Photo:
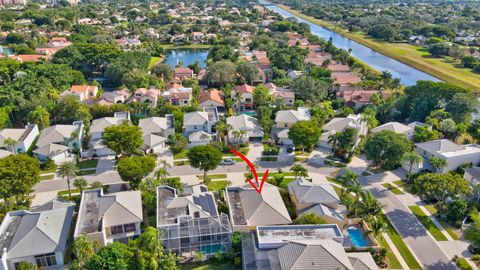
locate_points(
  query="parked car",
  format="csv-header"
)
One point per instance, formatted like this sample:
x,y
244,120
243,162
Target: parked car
x,y
473,249
228,161
290,148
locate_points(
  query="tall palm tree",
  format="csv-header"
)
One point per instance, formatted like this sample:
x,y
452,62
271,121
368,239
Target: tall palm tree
x,y
80,184
348,178
411,158
238,134
82,250
377,226
162,173
370,207
299,170
222,129
333,140
67,170
12,144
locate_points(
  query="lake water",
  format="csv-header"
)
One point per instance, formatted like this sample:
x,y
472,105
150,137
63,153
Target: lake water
x,y
186,56
407,74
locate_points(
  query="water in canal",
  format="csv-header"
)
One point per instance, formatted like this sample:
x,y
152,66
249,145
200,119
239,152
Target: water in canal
x,y
186,56
408,75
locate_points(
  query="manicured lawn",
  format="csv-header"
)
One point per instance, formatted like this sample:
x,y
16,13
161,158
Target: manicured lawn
x,y
86,172
180,163
47,177
393,189
404,185
269,150
48,171
181,155
428,223
242,150
333,180
268,158
338,190
393,262
153,61
450,231
87,164
207,266
217,185
432,209
401,246
214,176
414,56
334,164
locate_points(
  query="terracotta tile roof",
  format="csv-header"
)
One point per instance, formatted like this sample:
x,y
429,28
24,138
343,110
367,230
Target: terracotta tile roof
x,y
343,78
181,95
29,58
359,96
338,68
284,94
245,88
215,95
83,88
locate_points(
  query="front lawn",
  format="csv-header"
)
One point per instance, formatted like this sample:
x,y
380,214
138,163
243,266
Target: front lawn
x,y
428,223
214,176
180,163
450,231
47,177
181,155
86,172
393,262
87,164
217,185
393,189
270,150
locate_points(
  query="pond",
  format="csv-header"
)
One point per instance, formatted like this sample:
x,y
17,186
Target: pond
x,y
5,51
186,57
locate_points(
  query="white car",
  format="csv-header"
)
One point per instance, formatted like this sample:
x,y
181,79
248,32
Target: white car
x,y
228,161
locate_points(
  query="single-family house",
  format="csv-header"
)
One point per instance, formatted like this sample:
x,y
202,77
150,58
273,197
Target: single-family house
x,y
190,224
105,218
211,99
345,78
199,138
284,121
284,94
39,238
244,101
453,154
97,128
472,175
58,42
66,135
293,74
148,96
56,152
114,97
182,73
396,127
82,92
250,208
356,97
319,199
156,131
339,124
196,121
181,96
246,123
22,138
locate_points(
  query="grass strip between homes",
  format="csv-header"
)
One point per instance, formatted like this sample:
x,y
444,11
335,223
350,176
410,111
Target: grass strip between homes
x,y
428,223
393,189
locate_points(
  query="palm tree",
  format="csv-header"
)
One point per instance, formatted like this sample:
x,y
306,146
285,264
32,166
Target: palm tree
x,y
238,134
411,158
162,173
333,140
67,170
438,163
348,178
377,226
80,184
223,128
82,250
299,170
12,143
370,207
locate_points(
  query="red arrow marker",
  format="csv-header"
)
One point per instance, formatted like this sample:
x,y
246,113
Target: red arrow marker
x,y
256,186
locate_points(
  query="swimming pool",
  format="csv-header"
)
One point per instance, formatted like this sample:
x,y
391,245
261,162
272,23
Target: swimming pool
x,y
356,235
212,249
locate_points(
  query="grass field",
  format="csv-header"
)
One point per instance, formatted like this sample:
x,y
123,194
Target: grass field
x,y
428,223
449,230
86,172
181,155
214,176
442,68
432,209
393,189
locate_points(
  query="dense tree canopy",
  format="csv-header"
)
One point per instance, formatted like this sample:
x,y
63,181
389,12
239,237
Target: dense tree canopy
x,y
387,148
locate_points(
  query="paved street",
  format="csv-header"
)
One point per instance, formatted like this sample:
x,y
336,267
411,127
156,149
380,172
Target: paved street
x,y
423,246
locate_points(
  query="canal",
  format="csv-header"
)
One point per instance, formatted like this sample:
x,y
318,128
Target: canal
x,y
407,74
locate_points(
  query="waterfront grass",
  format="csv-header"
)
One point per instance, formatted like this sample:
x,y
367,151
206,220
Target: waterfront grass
x,y
414,56
154,61
190,46
428,223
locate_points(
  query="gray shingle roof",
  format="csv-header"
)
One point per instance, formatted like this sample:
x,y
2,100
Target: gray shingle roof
x,y
306,192
50,150
439,146
195,118
55,134
474,172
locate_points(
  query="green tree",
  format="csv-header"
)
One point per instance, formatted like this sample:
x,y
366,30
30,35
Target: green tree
x,y
472,233
177,143
67,169
441,188
248,71
299,170
261,96
264,116
309,218
437,163
81,184
114,256
304,134
221,73
456,210
40,116
343,142
26,266
205,158
163,71
348,178
4,118
310,89
387,148
424,134
123,138
82,250
411,158
18,175
134,169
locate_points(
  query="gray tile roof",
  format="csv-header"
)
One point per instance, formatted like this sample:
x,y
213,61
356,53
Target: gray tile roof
x,y
50,150
195,118
55,134
36,233
306,192
153,125
439,146
474,172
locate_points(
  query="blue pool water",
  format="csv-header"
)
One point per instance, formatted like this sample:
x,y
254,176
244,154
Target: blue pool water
x,y
357,238
212,249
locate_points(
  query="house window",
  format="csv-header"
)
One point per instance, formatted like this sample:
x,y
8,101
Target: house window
x,y
195,127
286,125
185,101
116,229
129,227
46,260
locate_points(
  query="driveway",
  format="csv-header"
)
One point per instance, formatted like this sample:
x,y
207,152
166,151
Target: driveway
x,y
166,154
105,165
255,151
283,155
424,247
317,156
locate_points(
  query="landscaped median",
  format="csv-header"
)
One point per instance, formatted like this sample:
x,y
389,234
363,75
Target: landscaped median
x,y
428,223
393,189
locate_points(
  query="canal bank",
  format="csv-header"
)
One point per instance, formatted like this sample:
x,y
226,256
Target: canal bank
x,y
407,54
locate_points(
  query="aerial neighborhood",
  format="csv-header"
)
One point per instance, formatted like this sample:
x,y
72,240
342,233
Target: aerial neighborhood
x,y
224,135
